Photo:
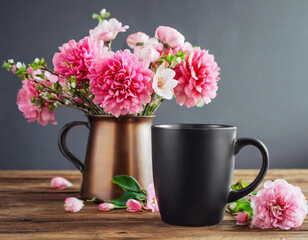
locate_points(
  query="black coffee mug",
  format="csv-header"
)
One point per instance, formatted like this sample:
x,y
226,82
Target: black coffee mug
x,y
193,170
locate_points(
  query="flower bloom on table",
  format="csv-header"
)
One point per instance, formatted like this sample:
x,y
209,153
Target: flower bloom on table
x,y
74,59
197,76
151,199
105,207
163,82
169,36
29,110
107,30
120,83
278,205
73,204
242,218
133,205
60,183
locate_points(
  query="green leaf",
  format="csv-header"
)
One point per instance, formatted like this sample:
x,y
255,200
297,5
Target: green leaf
x,y
124,198
40,76
95,16
127,183
239,185
7,66
200,103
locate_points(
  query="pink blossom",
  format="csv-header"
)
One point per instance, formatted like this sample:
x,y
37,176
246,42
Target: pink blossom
x,y
242,218
137,39
73,204
133,205
169,36
29,110
74,59
107,30
60,183
106,207
120,83
151,199
278,205
149,52
197,76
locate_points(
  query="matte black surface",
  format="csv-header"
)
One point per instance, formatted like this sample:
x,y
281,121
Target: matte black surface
x,y
260,45
193,170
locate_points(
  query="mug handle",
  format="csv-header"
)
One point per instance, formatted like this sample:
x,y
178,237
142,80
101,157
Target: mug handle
x,y
63,147
238,145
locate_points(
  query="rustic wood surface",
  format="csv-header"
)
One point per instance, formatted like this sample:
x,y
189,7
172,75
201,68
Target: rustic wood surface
x,y
31,209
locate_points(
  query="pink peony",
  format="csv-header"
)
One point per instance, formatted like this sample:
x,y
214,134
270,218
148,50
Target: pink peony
x,y
107,30
120,83
74,59
197,76
169,36
30,111
279,204
137,39
105,207
133,205
242,218
60,183
73,204
151,199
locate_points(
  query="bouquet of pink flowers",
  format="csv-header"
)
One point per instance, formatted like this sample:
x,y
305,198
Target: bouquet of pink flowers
x,y
89,76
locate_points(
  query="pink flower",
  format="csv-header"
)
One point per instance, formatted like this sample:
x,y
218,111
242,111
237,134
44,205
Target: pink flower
x,y
73,204
106,207
278,205
29,110
197,76
133,205
151,199
149,52
74,59
169,36
120,83
137,39
242,218
60,183
107,30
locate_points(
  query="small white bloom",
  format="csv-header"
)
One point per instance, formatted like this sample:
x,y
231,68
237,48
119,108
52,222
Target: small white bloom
x,y
11,61
163,82
232,206
102,12
36,60
18,65
73,84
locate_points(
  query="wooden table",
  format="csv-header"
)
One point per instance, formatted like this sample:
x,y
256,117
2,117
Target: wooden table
x,y
30,209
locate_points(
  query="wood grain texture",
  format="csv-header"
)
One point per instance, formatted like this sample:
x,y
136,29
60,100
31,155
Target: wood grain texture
x,y
30,209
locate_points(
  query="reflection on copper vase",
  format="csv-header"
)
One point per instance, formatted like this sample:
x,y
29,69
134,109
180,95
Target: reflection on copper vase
x,y
115,146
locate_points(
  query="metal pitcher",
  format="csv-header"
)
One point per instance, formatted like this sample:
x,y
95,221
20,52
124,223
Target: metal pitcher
x,y
115,146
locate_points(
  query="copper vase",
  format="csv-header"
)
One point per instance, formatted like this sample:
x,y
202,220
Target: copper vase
x,y
115,146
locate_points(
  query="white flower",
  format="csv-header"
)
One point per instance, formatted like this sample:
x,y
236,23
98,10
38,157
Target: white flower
x,y
163,82
73,85
36,60
18,65
11,61
102,12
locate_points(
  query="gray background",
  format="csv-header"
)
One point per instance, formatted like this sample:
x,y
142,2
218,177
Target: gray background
x,y
261,47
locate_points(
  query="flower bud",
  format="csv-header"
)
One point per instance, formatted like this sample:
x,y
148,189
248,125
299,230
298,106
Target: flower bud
x,y
105,207
18,65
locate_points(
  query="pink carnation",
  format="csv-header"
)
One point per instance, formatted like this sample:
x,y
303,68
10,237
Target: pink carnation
x,y
197,76
74,59
30,111
73,204
137,39
278,205
120,83
151,199
60,183
107,30
133,205
169,36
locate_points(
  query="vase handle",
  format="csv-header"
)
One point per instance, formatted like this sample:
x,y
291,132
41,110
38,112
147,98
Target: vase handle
x,y
63,147
238,145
